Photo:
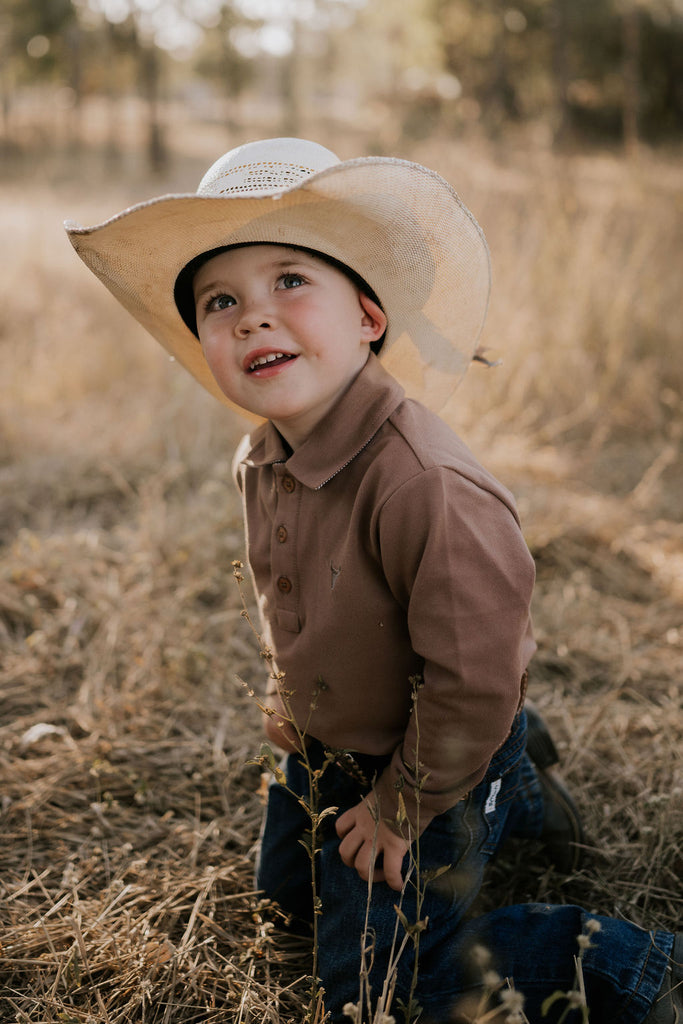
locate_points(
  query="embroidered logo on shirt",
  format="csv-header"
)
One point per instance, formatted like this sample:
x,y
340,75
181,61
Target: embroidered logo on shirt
x,y
494,789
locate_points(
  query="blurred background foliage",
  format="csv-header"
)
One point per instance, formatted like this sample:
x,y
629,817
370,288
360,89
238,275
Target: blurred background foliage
x,y
571,72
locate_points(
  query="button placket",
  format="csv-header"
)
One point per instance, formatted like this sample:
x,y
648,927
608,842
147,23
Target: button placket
x,y
283,542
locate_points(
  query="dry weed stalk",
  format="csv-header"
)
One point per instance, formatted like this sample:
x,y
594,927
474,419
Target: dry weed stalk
x,y
268,761
379,1010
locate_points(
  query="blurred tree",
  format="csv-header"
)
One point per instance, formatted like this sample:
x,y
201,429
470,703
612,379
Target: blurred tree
x,y
601,68
308,68
652,68
557,24
36,42
218,59
200,34
130,32
500,52
393,60
292,83
615,68
662,57
150,65
630,15
34,31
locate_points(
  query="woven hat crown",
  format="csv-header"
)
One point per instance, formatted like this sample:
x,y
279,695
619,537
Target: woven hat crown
x,y
263,168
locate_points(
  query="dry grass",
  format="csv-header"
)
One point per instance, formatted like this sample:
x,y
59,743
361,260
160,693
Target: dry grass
x,y
129,815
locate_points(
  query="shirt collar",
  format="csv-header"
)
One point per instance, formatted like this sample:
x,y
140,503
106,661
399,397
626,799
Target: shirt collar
x,y
340,436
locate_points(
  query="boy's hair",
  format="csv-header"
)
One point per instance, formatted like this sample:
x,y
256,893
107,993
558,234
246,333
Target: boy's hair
x,y
184,294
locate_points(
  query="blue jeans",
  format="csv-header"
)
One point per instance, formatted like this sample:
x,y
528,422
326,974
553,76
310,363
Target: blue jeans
x,y
533,944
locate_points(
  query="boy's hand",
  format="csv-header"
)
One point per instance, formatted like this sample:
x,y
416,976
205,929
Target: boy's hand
x,y
358,830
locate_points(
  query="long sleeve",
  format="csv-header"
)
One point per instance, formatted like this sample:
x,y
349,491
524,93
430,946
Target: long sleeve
x,y
455,559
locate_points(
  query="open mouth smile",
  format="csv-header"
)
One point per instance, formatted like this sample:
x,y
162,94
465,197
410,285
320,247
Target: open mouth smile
x,y
272,359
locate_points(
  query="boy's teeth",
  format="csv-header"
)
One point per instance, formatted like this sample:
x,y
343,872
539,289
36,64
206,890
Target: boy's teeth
x,y
262,360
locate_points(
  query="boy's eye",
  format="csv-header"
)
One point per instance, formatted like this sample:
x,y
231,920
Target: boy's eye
x,y
217,302
291,280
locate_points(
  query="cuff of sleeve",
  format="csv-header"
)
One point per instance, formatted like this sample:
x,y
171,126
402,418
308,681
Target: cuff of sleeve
x,y
401,805
408,809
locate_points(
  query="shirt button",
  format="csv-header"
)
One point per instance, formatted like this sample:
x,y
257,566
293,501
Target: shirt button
x,y
288,484
284,584
282,534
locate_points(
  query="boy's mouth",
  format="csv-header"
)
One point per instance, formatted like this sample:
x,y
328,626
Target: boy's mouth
x,y
271,359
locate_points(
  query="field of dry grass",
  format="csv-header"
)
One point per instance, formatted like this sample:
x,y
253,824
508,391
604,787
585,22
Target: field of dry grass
x,y
129,814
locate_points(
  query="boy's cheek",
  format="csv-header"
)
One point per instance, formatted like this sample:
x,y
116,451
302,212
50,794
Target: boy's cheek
x,y
216,356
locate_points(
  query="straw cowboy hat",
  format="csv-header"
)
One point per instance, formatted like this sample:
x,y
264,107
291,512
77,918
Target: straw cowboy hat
x,y
397,225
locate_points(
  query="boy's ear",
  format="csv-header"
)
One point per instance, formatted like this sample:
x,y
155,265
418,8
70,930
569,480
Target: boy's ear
x,y
373,321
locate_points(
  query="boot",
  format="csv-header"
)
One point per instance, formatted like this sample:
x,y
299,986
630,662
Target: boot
x,y
562,834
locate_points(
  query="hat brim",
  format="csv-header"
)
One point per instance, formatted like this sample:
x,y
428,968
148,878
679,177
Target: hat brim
x,y
398,225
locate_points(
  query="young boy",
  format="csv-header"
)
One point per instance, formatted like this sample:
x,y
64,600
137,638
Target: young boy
x,y
339,303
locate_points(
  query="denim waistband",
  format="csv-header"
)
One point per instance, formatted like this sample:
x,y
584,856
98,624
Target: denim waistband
x,y
364,768
511,750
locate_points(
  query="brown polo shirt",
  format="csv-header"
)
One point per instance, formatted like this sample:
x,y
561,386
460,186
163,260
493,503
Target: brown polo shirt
x,y
381,550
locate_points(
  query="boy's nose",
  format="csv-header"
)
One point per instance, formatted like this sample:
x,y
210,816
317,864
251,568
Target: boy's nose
x,y
252,319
